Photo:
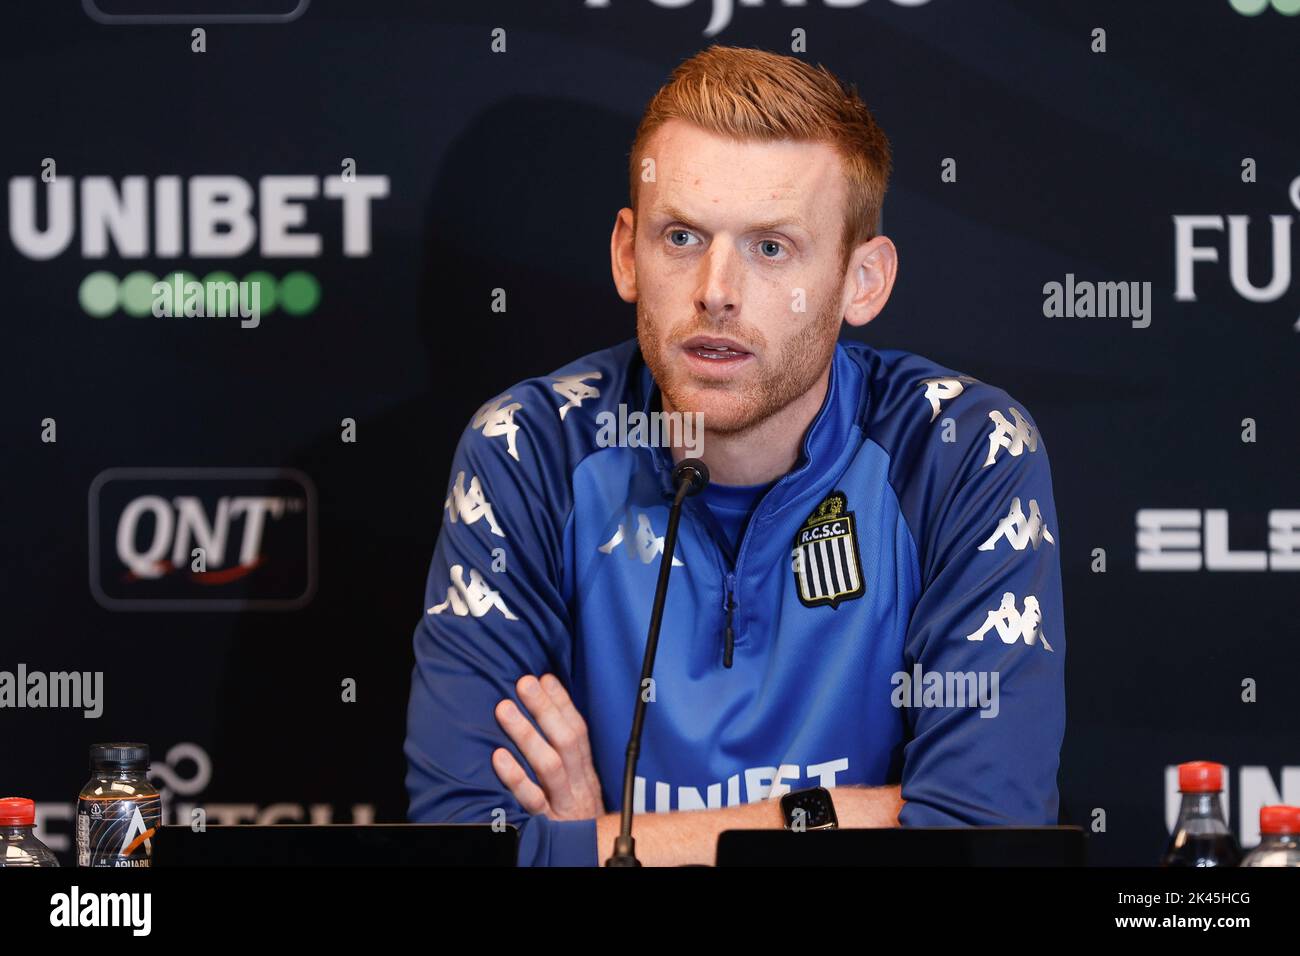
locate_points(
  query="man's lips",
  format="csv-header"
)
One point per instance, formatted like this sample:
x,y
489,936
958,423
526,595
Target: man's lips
x,y
713,356
715,349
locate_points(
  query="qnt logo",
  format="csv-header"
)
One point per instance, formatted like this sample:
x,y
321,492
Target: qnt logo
x,y
202,539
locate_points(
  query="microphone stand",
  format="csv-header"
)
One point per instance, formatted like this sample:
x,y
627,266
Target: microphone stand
x,y
690,476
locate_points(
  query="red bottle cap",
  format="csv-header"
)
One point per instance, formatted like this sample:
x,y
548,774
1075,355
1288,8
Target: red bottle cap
x,y
1200,776
17,812
1279,819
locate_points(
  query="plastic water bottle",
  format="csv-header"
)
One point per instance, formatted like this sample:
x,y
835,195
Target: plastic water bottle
x,y
1279,844
119,810
1201,837
18,845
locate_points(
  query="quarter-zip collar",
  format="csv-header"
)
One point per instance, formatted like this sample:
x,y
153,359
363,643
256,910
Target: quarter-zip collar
x,y
823,444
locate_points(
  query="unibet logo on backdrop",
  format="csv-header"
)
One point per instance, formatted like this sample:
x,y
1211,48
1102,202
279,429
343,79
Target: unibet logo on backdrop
x,y
202,217
202,539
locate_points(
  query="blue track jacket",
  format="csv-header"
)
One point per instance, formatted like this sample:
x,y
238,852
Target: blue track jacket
x,y
893,613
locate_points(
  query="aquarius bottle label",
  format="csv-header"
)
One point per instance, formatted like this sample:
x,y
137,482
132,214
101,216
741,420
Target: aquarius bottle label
x,y
117,830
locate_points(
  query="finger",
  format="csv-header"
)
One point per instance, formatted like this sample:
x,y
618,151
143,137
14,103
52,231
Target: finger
x,y
530,796
572,792
559,731
584,783
569,711
542,758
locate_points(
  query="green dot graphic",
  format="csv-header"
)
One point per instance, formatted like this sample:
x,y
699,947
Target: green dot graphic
x,y
1249,8
98,294
228,299
1287,8
299,293
265,283
136,293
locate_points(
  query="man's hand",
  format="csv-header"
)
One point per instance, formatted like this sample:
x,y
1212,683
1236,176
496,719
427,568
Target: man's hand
x,y
570,789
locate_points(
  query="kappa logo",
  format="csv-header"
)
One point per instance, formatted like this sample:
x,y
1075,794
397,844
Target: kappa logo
x,y
1013,437
496,418
827,565
470,505
576,390
645,544
944,389
1019,530
473,599
1013,625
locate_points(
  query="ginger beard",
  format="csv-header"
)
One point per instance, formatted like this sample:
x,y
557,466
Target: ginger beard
x,y
770,382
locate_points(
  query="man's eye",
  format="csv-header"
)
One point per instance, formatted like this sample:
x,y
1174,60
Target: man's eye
x,y
770,248
672,237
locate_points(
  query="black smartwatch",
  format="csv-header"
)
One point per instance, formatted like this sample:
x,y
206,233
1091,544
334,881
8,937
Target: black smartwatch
x,y
809,809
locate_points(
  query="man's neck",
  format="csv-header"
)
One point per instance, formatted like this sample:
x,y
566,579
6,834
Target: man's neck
x,y
766,451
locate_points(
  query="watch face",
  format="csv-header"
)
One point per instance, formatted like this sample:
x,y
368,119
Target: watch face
x,y
808,809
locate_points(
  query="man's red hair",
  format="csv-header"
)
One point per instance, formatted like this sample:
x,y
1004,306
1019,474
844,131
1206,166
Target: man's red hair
x,y
751,94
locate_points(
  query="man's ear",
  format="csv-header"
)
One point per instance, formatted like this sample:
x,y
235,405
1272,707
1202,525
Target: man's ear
x,y
622,254
873,267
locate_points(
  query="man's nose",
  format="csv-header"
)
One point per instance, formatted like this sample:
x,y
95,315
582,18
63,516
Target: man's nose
x,y
719,292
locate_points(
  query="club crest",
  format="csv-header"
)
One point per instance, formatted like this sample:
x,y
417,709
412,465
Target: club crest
x,y
826,562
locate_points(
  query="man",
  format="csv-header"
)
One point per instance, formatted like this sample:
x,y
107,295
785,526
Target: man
x,y
879,531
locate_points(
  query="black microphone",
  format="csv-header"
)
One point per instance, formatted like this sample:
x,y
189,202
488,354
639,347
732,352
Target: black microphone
x,y
689,478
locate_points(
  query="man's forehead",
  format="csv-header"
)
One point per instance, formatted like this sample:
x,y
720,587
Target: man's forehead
x,y
695,174
704,169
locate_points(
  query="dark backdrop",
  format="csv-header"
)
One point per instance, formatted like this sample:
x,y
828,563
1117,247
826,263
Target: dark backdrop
x,y
505,170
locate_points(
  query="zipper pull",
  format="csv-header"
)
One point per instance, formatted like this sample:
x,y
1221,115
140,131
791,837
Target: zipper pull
x,y
731,634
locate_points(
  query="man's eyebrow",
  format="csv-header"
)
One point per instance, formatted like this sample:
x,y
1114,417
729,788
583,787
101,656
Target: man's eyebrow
x,y
676,215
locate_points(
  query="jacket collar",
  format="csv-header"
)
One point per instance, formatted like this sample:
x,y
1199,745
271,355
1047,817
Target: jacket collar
x,y
824,443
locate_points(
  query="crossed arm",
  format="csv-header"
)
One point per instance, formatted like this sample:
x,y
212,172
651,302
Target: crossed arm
x,y
568,788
